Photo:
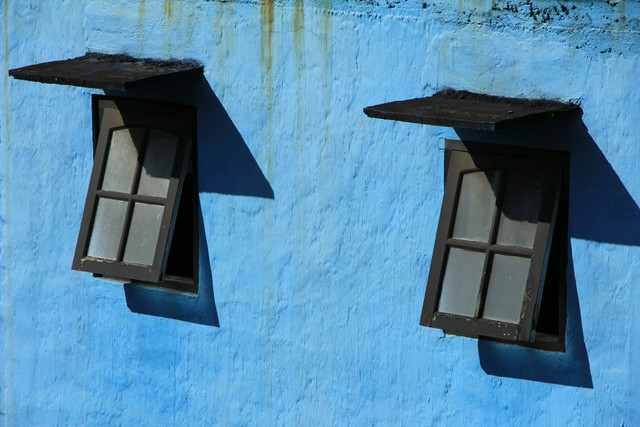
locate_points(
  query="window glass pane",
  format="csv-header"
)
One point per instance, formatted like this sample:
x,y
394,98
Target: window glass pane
x,y
107,229
461,283
520,211
505,292
121,160
476,205
143,233
158,163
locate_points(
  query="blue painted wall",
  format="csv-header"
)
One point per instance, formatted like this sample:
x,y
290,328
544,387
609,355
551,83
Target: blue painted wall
x,y
318,223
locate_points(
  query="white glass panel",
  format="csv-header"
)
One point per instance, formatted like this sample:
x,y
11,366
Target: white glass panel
x,y
461,284
158,163
107,229
121,160
505,292
520,211
476,205
143,233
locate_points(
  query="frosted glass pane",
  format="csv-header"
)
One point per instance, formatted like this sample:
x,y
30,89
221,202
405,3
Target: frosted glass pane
x,y
107,229
121,160
143,233
520,211
505,292
461,284
158,163
476,205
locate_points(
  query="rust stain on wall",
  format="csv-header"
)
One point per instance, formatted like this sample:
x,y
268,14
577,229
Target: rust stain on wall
x,y
141,18
266,65
141,11
266,42
5,76
299,48
298,31
167,8
327,29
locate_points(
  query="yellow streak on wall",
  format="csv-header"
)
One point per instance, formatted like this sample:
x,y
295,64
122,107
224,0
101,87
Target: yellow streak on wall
x,y
299,48
141,18
167,8
266,65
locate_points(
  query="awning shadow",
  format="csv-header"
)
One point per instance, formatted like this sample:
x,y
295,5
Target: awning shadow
x,y
225,163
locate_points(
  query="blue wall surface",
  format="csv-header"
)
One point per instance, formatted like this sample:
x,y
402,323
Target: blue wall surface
x,y
317,223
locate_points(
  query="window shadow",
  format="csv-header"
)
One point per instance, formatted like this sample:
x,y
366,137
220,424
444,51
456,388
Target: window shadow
x,y
600,210
571,368
225,163
225,166
194,308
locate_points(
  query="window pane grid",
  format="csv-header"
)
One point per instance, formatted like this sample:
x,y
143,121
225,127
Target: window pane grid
x,y
134,141
136,178
510,254
490,248
131,197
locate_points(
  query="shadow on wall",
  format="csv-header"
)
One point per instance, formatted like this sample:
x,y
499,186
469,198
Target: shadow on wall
x,y
200,308
601,210
571,368
225,166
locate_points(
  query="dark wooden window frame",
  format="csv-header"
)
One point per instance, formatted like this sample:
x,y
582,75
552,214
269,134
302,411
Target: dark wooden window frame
x,y
551,168
175,119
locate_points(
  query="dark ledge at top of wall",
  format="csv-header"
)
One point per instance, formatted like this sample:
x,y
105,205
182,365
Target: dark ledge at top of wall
x,y
104,71
467,110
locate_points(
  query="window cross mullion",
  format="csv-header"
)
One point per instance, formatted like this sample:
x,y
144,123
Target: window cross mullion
x,y
486,271
467,244
134,185
511,250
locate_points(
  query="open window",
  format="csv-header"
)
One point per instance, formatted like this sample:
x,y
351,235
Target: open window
x,y
140,220
499,261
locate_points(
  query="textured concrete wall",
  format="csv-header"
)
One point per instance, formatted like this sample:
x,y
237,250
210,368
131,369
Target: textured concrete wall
x,y
318,223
